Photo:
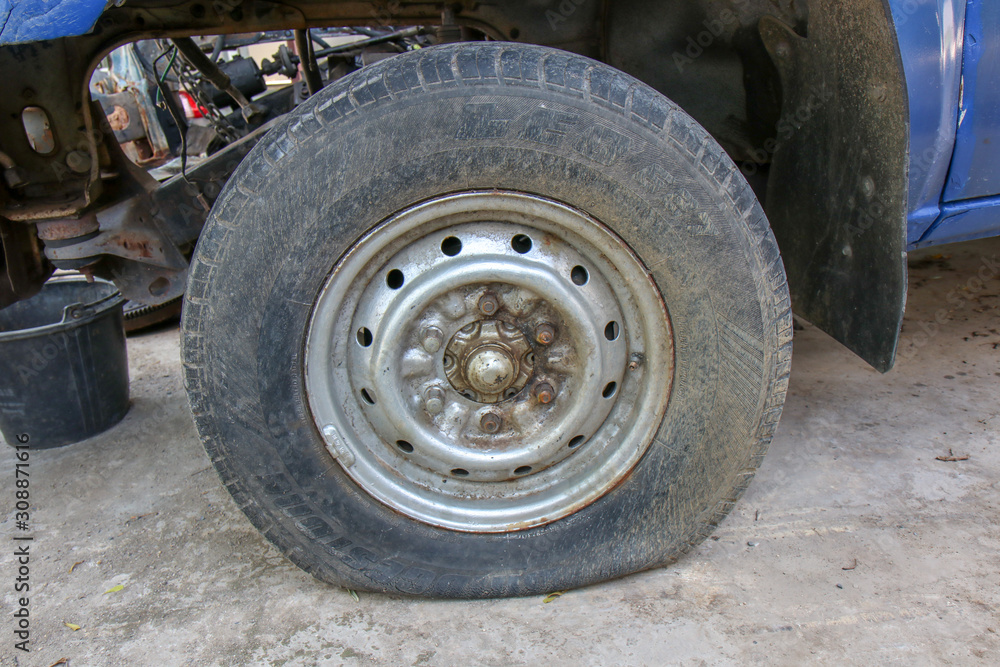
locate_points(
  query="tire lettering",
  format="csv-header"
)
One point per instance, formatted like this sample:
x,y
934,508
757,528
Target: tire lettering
x,y
548,127
604,145
481,121
677,200
655,179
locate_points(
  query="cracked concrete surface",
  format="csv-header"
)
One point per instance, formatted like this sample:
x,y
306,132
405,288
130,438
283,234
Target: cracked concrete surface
x,y
853,545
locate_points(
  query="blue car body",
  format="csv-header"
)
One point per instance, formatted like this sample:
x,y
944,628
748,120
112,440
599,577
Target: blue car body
x,y
951,57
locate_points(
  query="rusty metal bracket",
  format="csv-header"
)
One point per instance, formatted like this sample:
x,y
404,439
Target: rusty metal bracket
x,y
129,230
142,240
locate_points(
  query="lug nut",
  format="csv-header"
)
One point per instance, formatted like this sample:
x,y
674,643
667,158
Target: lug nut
x,y
488,304
545,334
433,400
544,393
432,339
490,422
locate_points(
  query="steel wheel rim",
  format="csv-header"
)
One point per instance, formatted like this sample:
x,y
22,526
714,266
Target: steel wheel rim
x,y
417,291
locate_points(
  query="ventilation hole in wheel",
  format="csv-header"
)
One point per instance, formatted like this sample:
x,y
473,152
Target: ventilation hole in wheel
x,y
394,279
468,395
609,389
460,472
451,246
520,243
364,337
611,331
529,358
404,446
368,397
576,441
510,393
579,275
523,470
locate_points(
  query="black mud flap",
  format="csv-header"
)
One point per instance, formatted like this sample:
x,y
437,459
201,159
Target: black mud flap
x,y
837,193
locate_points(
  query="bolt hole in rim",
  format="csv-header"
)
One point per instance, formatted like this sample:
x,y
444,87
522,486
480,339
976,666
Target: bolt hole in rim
x,y
545,266
610,331
451,246
395,279
364,337
521,243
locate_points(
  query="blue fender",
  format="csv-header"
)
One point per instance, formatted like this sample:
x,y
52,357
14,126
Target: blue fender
x,y
35,20
930,36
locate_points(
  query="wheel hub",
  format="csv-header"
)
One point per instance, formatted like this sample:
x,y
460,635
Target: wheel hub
x,y
488,361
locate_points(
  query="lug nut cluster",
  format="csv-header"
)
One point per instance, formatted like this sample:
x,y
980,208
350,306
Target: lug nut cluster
x,y
490,354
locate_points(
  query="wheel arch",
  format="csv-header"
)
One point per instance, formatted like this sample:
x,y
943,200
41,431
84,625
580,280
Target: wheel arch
x,y
810,100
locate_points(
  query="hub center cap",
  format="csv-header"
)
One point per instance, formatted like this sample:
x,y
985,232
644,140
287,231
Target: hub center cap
x,y
490,370
488,361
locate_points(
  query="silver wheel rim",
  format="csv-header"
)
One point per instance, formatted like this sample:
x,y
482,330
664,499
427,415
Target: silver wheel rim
x,y
488,361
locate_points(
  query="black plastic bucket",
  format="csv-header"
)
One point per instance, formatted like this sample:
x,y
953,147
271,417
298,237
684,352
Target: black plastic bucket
x,y
63,363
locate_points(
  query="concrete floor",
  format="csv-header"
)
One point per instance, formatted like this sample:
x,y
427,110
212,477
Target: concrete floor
x,y
854,544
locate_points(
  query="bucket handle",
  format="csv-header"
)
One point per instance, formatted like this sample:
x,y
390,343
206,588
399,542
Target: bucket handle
x,y
75,312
